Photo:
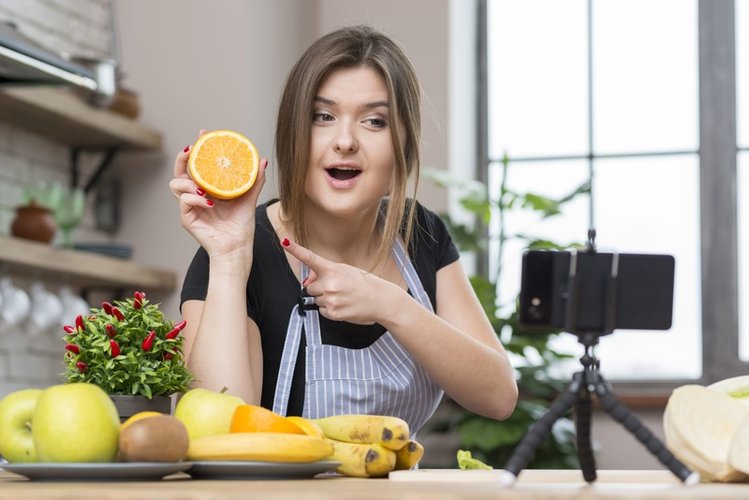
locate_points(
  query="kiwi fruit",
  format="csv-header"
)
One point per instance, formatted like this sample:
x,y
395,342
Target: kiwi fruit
x,y
154,439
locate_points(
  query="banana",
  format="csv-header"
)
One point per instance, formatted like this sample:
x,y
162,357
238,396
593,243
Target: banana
x,y
409,455
265,446
390,432
362,460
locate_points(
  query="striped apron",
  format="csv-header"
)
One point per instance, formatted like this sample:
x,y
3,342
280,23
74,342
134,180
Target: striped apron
x,y
382,379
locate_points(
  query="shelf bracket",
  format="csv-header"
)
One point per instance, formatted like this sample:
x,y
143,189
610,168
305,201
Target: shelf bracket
x,y
109,155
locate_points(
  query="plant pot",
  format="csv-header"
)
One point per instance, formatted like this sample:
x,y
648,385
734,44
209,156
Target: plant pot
x,y
33,222
128,405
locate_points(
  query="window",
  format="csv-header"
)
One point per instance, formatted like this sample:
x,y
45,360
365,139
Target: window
x,y
611,91
742,129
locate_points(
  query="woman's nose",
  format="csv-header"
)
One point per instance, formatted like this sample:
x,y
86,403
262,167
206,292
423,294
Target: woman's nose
x,y
345,141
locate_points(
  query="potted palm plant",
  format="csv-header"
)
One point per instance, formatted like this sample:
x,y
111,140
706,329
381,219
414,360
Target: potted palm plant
x,y
129,349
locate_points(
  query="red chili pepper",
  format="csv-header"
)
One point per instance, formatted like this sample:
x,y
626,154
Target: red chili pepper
x,y
173,333
167,356
82,367
137,300
107,307
79,322
73,348
68,329
111,331
181,325
147,344
118,314
115,347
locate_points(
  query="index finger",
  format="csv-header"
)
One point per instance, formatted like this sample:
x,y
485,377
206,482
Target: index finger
x,y
180,162
303,254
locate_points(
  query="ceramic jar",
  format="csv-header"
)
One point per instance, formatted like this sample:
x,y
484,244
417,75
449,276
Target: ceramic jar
x,y
33,222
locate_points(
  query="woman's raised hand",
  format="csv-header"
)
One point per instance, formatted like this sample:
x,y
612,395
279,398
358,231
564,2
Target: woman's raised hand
x,y
343,292
221,227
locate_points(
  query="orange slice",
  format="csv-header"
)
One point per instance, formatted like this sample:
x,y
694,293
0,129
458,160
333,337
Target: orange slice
x,y
251,418
308,426
224,163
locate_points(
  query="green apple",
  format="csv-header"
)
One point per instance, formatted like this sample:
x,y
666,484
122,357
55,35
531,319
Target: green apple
x,y
16,443
75,423
206,413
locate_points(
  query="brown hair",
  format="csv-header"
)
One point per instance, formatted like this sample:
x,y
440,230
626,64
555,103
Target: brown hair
x,y
345,48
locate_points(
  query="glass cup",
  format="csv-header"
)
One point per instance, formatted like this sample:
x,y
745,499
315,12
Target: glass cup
x,y
46,308
16,303
72,306
68,212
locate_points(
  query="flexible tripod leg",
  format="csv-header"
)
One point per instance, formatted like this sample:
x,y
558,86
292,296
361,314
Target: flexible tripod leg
x,y
625,417
525,450
582,432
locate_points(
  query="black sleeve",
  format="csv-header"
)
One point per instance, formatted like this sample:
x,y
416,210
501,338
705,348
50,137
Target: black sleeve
x,y
431,249
432,233
195,285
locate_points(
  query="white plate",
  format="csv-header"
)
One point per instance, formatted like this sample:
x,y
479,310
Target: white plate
x,y
259,470
132,471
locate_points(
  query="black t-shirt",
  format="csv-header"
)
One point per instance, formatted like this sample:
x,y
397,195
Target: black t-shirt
x,y
273,290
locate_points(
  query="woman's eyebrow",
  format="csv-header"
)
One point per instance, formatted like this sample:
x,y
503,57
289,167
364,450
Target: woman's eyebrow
x,y
369,105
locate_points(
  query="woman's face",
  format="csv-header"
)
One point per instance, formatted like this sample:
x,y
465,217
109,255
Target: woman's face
x,y
351,160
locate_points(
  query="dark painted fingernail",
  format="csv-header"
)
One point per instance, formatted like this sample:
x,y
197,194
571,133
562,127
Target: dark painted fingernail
x,y
209,203
187,148
200,192
285,242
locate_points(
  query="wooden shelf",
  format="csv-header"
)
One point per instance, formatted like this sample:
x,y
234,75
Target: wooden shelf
x,y
82,268
59,114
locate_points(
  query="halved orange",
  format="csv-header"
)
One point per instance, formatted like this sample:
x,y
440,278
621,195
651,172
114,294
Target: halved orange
x,y
224,163
251,418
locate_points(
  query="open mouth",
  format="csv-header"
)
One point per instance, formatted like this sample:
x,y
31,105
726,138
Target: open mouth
x,y
343,174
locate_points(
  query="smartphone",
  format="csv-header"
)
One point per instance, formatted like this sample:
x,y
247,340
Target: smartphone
x,y
596,292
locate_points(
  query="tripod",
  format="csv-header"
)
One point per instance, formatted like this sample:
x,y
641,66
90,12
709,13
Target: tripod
x,y
578,394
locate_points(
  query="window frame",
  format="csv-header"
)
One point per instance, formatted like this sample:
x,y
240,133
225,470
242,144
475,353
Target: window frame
x,y
717,155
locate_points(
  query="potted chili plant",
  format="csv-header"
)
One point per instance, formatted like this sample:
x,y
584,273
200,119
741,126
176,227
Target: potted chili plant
x,y
131,351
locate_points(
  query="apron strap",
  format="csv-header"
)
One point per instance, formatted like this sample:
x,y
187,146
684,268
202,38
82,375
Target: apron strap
x,y
408,271
288,362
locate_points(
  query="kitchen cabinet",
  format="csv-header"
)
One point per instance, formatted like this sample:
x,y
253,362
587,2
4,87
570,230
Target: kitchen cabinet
x,y
60,115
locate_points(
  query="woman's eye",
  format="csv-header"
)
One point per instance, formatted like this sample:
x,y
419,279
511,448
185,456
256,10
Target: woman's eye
x,y
322,117
376,122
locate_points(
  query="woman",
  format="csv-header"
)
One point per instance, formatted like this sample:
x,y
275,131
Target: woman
x,y
315,303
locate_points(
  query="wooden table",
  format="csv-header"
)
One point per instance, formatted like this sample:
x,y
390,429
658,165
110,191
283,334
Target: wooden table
x,y
452,484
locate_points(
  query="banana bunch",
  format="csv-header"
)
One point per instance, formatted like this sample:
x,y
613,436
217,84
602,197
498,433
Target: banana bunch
x,y
261,446
370,445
